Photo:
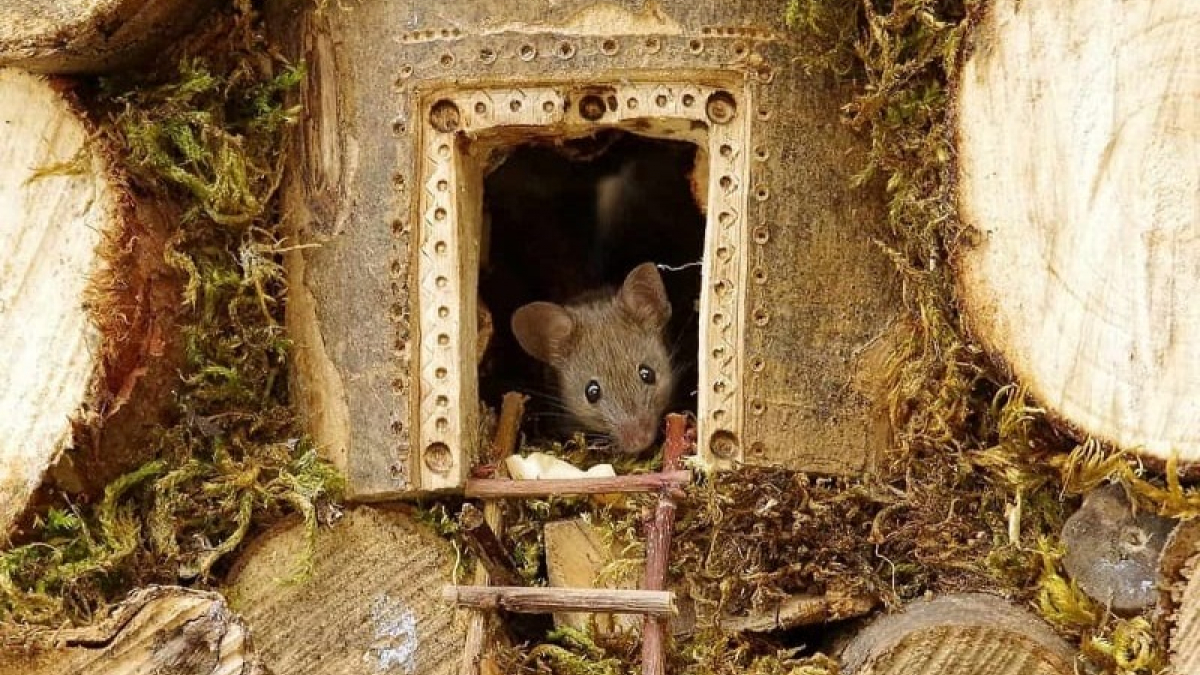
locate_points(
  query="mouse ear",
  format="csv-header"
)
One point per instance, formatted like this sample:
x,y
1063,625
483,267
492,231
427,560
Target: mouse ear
x,y
544,331
644,298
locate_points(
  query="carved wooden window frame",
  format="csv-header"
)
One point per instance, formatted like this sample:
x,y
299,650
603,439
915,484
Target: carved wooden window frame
x,y
710,110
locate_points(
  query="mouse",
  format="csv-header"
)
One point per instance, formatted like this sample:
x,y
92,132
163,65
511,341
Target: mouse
x,y
610,366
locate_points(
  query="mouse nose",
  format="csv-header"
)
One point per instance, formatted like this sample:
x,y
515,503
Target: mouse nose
x,y
637,435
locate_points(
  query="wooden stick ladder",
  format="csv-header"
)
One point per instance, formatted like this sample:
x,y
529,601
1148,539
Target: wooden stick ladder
x,y
482,531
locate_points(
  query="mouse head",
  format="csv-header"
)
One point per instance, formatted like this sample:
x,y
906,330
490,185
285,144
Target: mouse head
x,y
614,372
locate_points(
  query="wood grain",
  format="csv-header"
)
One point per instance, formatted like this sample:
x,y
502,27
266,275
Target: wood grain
x,y
51,229
963,634
157,630
371,604
537,600
88,36
1078,138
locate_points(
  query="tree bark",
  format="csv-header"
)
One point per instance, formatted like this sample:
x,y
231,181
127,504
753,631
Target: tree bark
x,y
1077,131
1179,597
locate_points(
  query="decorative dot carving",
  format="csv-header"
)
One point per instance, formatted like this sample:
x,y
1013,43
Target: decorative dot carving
x,y
443,315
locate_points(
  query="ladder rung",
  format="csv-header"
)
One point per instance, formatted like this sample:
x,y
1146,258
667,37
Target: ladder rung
x,y
500,488
536,600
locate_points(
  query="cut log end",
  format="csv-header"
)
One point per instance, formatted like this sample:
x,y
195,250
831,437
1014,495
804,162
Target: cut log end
x,y
56,206
371,603
966,634
88,306
88,36
1077,131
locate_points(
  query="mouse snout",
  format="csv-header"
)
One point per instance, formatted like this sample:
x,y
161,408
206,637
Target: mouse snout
x,y
636,435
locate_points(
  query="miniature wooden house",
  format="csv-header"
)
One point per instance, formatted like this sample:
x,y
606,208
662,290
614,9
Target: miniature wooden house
x,y
404,101
457,160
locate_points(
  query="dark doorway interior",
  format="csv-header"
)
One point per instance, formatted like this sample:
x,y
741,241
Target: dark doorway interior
x,y
567,217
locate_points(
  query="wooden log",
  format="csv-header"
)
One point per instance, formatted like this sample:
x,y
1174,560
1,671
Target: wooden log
x,y
535,600
963,634
86,308
577,557
369,604
1178,583
157,630
89,36
497,488
1113,553
1077,128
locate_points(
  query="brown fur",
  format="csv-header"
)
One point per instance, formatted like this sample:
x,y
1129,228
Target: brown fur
x,y
607,339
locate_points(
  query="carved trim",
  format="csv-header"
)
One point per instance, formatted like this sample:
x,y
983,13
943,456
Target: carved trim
x,y
447,270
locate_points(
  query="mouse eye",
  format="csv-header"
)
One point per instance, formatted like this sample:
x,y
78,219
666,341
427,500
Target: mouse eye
x,y
592,391
647,374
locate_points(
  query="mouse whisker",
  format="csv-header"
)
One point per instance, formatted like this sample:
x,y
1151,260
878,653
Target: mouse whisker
x,y
599,442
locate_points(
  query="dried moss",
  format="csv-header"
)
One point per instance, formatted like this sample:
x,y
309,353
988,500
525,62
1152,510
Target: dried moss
x,y
1120,646
568,651
206,132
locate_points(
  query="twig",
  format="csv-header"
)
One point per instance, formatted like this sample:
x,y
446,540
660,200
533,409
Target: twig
x,y
495,488
512,409
487,547
658,547
539,600
799,610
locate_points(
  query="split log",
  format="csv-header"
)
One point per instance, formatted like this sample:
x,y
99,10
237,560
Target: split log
x,y
157,630
86,308
1113,553
373,598
966,634
1077,130
575,558
1179,598
77,36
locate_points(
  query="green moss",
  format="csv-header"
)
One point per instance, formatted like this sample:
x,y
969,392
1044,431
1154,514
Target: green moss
x,y
206,133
